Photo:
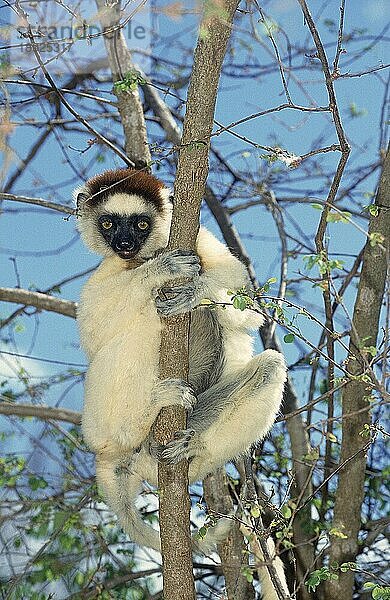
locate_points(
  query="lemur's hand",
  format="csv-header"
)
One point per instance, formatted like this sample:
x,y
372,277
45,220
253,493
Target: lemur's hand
x,y
180,263
171,391
177,300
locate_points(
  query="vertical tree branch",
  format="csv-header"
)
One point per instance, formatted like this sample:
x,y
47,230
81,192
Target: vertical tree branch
x,y
189,190
364,331
129,104
320,235
231,551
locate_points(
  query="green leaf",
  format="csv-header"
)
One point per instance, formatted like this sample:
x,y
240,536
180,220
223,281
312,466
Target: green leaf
x,y
239,302
376,238
205,302
289,338
339,534
381,593
79,578
368,585
255,511
354,112
37,483
317,206
372,209
341,216
247,572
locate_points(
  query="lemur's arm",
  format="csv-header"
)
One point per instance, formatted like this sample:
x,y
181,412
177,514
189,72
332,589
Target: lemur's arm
x,y
221,272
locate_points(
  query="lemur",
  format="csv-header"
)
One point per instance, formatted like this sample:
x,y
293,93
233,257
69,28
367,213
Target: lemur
x,y
232,396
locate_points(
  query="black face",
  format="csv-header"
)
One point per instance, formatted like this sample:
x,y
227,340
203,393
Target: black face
x,y
126,234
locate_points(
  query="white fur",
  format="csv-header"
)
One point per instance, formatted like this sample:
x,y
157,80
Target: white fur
x,y
120,331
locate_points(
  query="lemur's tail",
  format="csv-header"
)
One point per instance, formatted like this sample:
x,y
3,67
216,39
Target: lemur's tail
x,y
120,490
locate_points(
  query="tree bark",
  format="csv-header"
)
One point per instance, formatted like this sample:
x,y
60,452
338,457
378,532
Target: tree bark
x,y
189,190
364,332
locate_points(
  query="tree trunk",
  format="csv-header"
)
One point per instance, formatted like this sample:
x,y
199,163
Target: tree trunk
x,y
364,332
189,189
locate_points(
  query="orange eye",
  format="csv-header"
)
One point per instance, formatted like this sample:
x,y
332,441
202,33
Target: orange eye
x,y
143,225
107,224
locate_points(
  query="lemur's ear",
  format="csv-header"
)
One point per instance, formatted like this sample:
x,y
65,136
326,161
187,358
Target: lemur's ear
x,y
81,198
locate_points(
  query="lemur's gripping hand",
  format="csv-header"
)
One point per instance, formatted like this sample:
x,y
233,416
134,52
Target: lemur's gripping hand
x,y
180,263
182,297
177,300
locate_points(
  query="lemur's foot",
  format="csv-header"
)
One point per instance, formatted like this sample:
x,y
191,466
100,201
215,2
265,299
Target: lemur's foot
x,y
177,300
178,448
168,392
180,263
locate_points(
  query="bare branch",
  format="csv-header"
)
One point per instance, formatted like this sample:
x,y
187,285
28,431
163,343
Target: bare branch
x,y
39,202
40,412
39,300
129,105
23,15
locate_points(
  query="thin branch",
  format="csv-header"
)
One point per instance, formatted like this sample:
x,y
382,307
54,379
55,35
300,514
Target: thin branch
x,y
40,412
261,113
39,300
24,16
276,50
38,202
339,40
25,161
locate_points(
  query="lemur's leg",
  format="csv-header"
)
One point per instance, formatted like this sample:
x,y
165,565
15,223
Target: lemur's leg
x,y
231,415
131,432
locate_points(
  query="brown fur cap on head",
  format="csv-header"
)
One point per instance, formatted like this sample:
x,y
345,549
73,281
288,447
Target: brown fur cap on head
x,y
123,181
